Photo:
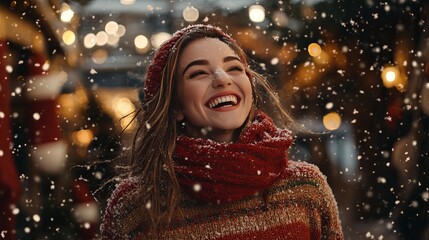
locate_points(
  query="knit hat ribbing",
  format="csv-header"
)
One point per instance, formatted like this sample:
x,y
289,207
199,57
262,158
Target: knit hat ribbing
x,y
154,72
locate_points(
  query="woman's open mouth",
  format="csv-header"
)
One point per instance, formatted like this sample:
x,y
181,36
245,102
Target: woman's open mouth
x,y
223,101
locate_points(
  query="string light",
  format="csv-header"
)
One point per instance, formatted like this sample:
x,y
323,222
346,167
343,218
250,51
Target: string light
x,y
332,121
190,14
68,37
257,13
314,49
66,13
390,76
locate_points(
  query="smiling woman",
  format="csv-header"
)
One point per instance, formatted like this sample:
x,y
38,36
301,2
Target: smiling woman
x,y
207,162
221,96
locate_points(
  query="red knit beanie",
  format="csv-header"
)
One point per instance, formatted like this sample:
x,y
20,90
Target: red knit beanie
x,y
154,72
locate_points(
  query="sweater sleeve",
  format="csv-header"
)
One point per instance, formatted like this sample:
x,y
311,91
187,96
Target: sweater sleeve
x,y
114,217
320,200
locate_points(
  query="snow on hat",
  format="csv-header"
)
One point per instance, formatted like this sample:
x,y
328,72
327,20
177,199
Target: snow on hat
x,y
153,76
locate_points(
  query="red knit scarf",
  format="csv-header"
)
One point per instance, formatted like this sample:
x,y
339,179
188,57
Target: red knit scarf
x,y
224,172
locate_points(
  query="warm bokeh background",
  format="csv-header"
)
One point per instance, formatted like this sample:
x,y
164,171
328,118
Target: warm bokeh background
x,y
355,71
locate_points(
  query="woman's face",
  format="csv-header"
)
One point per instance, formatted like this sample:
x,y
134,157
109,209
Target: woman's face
x,y
214,92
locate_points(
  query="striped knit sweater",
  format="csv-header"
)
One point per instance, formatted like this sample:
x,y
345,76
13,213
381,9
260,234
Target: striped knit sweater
x,y
300,206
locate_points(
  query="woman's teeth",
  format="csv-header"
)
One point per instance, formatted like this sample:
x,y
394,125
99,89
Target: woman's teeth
x,y
223,101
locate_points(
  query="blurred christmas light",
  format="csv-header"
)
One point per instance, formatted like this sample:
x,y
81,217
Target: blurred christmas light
x,y
66,13
68,105
190,14
121,30
68,37
332,121
257,13
99,56
111,27
390,76
142,43
83,137
123,109
158,38
127,2
101,38
112,40
314,49
89,40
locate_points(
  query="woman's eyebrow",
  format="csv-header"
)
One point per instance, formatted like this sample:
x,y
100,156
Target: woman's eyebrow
x,y
195,62
205,62
231,58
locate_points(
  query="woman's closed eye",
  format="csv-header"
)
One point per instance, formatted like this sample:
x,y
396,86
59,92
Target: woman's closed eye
x,y
235,68
197,73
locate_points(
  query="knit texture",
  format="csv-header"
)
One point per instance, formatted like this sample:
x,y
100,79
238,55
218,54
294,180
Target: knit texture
x,y
225,172
300,206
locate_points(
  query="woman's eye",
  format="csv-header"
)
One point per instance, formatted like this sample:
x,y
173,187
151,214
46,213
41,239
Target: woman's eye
x,y
196,73
236,68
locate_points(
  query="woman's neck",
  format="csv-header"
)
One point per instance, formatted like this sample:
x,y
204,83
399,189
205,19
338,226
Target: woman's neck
x,y
217,135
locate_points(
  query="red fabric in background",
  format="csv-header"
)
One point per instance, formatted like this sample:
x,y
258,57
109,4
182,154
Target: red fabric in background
x,y
9,181
82,195
46,129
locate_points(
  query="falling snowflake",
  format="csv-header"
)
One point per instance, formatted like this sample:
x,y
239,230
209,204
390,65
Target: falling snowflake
x,y
92,71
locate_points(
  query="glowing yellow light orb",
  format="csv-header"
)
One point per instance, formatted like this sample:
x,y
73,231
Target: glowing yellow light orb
x,y
332,121
68,37
257,13
314,49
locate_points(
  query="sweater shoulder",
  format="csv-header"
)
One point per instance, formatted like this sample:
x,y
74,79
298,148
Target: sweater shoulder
x,y
303,171
121,198
304,183
125,186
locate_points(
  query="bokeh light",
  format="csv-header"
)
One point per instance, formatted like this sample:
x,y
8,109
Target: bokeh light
x,y
101,38
99,56
257,13
123,109
83,137
112,40
190,14
332,121
142,43
127,2
66,13
314,49
69,37
158,38
89,40
121,30
390,76
111,27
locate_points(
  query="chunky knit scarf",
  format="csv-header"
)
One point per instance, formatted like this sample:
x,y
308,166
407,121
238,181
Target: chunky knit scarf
x,y
225,172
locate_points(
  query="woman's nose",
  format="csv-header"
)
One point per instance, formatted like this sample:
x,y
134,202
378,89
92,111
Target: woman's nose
x,y
221,78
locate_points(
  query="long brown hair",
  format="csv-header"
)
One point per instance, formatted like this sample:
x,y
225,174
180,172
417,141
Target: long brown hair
x,y
154,141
